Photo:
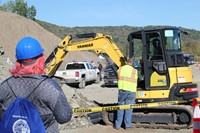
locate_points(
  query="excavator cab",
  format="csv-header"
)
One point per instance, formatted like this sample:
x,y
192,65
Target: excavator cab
x,y
152,58
163,67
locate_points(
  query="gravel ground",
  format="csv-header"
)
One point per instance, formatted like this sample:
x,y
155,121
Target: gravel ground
x,y
95,92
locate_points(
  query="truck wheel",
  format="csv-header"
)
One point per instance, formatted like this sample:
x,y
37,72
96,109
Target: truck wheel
x,y
97,79
82,84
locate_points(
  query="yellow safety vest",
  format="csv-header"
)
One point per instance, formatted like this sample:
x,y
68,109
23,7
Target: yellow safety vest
x,y
127,78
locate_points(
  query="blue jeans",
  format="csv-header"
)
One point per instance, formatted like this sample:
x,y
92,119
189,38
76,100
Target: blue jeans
x,y
125,97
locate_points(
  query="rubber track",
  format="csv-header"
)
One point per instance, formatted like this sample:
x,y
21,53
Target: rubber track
x,y
169,109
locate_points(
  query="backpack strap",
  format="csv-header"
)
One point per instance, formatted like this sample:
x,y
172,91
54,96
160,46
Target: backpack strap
x,y
11,89
36,87
31,92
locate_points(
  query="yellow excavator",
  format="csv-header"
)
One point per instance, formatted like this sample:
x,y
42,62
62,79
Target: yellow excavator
x,y
166,77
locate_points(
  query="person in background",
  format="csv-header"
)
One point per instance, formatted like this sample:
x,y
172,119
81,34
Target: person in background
x,y
27,73
93,63
100,67
157,54
127,85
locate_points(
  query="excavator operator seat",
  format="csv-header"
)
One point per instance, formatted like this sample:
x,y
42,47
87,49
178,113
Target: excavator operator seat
x,y
157,51
156,43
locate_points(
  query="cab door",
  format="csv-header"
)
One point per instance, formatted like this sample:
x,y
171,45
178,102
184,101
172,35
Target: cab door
x,y
155,68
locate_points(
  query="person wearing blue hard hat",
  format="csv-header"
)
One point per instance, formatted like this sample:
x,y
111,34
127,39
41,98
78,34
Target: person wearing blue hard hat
x,y
28,78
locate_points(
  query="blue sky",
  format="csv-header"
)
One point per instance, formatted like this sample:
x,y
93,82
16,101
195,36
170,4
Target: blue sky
x,y
71,13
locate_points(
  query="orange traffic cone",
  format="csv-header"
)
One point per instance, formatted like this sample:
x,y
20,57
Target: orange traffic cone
x,y
196,116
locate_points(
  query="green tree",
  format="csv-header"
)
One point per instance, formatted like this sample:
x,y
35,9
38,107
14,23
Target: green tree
x,y
8,6
192,47
31,13
20,7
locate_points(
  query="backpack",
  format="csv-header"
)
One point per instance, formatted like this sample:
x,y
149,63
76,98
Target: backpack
x,y
22,116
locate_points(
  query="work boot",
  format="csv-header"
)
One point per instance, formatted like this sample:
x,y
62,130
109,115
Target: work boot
x,y
117,128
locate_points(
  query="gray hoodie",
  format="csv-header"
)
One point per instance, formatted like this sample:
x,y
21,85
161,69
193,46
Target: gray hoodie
x,y
48,98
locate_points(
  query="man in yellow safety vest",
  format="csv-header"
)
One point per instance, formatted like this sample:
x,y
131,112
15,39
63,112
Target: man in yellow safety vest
x,y
127,85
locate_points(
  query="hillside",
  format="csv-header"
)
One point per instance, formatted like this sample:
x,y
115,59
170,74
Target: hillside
x,y
120,33
14,27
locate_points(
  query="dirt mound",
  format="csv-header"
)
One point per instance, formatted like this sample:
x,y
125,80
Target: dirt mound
x,y
14,27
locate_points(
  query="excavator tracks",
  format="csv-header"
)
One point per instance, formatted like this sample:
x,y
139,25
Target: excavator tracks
x,y
167,117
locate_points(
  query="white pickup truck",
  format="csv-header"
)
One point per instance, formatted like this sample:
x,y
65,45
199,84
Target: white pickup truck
x,y
78,73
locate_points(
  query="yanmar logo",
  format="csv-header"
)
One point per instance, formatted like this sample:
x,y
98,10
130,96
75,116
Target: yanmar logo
x,y
85,45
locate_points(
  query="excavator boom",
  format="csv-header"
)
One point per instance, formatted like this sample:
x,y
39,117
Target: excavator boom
x,y
101,44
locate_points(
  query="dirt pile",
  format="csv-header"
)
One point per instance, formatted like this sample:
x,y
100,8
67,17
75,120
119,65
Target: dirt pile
x,y
14,27
77,100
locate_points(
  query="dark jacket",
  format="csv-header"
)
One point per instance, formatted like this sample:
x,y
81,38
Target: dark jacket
x,y
48,98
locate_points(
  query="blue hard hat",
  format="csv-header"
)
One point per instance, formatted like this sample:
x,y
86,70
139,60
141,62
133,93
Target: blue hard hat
x,y
28,48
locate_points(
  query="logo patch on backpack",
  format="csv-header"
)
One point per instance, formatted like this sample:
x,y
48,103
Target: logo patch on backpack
x,y
21,126
21,117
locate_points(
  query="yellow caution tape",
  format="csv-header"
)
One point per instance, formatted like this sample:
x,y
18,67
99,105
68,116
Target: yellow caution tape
x,y
122,107
198,99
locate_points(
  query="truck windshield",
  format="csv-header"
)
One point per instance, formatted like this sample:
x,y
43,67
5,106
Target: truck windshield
x,y
75,66
172,40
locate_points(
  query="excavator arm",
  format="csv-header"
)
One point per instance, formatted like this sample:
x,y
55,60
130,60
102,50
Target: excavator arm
x,y
99,43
